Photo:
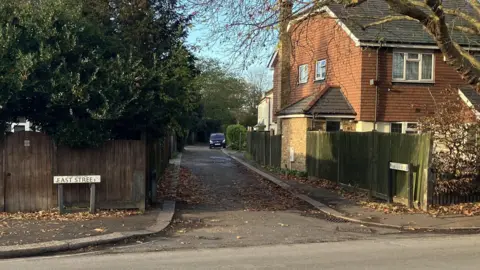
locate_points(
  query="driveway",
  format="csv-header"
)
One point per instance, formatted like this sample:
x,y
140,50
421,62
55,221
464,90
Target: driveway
x,y
239,208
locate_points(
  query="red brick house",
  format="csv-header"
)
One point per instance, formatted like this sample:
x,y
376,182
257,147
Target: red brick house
x,y
344,77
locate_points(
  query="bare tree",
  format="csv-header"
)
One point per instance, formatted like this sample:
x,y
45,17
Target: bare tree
x,y
260,79
248,28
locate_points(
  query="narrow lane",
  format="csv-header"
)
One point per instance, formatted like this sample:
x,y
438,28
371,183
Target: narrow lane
x,y
239,208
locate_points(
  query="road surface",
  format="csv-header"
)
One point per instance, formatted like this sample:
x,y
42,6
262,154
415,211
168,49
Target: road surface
x,y
455,252
237,208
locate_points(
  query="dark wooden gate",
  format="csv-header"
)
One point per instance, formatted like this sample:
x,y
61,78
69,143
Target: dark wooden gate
x,y
29,160
28,172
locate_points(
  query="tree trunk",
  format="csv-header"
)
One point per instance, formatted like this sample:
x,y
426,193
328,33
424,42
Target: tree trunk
x,y
437,27
285,51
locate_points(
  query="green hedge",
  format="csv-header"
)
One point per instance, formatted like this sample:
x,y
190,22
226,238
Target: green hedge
x,y
237,137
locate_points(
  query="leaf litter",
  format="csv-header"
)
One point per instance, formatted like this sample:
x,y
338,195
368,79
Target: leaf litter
x,y
361,198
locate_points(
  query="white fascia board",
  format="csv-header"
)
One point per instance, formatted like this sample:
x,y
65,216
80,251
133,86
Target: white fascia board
x,y
294,116
408,46
272,59
469,104
334,116
330,13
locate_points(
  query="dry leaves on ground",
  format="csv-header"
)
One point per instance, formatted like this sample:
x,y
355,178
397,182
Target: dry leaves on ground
x,y
466,209
55,215
361,198
346,193
267,196
388,208
190,189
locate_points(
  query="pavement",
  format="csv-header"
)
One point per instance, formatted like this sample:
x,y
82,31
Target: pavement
x,y
331,203
234,207
431,253
26,235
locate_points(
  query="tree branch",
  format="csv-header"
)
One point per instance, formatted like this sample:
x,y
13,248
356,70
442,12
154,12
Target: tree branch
x,y
476,5
471,20
390,18
467,30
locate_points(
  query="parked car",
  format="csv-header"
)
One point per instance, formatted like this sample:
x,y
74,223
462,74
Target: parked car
x,y
217,140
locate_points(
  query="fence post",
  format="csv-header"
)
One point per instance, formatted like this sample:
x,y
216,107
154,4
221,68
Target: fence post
x,y
372,180
410,186
390,184
240,142
339,134
427,198
270,155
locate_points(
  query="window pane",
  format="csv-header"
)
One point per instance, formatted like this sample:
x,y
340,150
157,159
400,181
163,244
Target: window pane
x,y
396,128
413,56
318,71
412,70
398,65
321,70
333,126
427,61
303,74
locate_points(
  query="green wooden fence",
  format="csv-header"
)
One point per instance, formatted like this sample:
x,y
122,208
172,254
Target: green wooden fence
x,y
362,160
264,148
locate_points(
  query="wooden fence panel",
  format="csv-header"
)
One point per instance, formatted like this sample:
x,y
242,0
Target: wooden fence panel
x,y
362,160
355,165
28,169
326,155
276,154
2,175
264,148
117,162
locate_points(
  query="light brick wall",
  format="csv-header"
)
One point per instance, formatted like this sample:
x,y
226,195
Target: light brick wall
x,y
294,134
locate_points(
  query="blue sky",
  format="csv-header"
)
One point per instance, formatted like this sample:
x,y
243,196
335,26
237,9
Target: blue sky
x,y
197,37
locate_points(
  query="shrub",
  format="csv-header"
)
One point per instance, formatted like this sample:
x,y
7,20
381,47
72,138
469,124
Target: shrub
x,y
237,137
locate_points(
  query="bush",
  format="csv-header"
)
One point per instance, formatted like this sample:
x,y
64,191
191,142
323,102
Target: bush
x,y
237,137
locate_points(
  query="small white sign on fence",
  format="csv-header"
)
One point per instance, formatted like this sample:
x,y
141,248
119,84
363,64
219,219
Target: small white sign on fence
x,y
76,179
399,166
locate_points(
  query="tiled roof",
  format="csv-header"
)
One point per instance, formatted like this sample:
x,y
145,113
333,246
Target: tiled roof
x,y
407,32
297,107
472,96
330,101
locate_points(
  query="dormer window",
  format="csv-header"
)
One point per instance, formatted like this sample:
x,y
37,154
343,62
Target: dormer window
x,y
413,67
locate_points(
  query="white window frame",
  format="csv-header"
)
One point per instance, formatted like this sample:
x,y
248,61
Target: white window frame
x,y
420,57
300,77
405,128
318,67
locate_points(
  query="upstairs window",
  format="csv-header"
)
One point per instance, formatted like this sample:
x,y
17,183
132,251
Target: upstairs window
x,y
412,67
303,74
321,70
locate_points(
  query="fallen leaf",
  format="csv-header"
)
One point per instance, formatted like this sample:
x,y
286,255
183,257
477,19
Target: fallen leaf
x,y
239,237
100,230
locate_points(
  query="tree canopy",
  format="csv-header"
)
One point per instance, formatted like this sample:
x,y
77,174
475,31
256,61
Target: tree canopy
x,y
89,71
226,98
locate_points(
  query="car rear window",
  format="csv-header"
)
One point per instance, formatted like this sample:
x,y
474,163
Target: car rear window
x,y
217,137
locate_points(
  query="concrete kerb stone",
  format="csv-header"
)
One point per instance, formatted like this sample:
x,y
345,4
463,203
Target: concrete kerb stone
x,y
334,213
163,220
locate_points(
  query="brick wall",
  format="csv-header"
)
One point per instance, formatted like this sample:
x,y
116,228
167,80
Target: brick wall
x,y
321,38
276,89
294,134
401,101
